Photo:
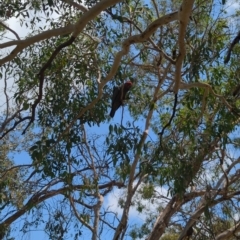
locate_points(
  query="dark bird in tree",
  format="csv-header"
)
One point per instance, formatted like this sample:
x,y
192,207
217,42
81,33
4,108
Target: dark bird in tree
x,y
229,52
119,95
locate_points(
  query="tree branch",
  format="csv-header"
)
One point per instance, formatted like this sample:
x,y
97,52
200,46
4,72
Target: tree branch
x,y
75,28
229,232
184,16
76,5
8,28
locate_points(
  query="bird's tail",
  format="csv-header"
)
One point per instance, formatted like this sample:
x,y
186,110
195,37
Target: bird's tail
x,y
112,113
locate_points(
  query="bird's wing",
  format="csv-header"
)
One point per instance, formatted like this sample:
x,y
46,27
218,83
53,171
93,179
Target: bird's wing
x,y
115,92
124,92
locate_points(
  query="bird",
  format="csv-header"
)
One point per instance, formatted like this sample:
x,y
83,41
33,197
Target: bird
x,y
119,95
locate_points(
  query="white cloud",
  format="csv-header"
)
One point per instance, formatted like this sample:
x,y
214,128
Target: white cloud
x,y
150,205
22,31
15,25
233,4
236,216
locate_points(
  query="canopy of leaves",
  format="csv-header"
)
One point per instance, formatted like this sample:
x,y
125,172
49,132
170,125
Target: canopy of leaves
x,y
171,153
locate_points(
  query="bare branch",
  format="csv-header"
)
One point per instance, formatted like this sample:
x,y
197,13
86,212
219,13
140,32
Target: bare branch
x,y
6,94
156,7
91,14
139,38
205,85
220,181
75,28
10,169
184,16
33,201
76,5
205,202
6,121
229,232
8,28
163,219
14,125
21,44
80,219
97,208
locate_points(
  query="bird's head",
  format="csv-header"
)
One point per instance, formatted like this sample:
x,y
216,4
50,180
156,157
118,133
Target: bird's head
x,y
128,85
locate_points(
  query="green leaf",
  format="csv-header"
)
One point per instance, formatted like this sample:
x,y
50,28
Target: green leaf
x,y
25,105
50,2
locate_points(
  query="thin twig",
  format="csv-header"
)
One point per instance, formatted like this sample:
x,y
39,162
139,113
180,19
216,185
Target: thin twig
x,y
170,120
8,28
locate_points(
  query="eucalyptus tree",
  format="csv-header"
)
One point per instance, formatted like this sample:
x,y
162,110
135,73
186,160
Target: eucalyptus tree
x,y
171,153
